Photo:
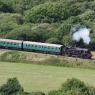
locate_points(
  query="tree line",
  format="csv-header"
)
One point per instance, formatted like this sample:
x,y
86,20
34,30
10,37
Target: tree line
x,y
46,20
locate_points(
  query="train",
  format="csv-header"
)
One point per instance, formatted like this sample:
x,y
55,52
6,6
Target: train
x,y
56,49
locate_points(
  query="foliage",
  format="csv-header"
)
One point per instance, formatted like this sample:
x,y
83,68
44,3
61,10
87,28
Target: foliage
x,y
46,20
53,40
8,22
74,87
51,13
12,87
39,33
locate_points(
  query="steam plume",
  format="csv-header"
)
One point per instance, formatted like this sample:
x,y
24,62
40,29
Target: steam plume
x,y
81,33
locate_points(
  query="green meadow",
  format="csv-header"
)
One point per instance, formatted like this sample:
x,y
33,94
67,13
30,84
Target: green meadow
x,y
43,78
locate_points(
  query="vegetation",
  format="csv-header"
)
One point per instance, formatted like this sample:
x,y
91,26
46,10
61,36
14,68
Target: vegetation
x,y
46,20
43,78
70,87
74,87
45,59
12,87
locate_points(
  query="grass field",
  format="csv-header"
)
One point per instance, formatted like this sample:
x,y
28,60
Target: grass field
x,y
43,78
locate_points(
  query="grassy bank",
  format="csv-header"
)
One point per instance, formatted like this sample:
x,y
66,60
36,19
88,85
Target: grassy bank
x,y
46,59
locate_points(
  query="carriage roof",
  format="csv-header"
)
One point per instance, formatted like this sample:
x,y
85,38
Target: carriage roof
x,y
43,44
9,40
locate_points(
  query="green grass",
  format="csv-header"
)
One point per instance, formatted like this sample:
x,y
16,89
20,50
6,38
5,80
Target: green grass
x,y
43,78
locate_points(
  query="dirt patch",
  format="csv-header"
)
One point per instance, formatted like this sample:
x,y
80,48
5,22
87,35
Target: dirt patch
x,y
37,57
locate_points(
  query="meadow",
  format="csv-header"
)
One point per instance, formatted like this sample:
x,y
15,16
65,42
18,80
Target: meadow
x,y
41,77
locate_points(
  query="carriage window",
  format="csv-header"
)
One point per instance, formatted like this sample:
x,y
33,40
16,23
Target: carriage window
x,y
27,45
11,43
7,42
3,42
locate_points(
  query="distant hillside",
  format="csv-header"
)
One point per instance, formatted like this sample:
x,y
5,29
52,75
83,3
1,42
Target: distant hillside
x,y
46,20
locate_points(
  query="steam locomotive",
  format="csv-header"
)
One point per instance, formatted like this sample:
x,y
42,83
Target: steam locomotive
x,y
46,48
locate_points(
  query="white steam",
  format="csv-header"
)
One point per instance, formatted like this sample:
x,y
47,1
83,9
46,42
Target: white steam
x,y
81,33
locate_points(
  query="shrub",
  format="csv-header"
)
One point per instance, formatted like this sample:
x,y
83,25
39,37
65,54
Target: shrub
x,y
12,87
74,87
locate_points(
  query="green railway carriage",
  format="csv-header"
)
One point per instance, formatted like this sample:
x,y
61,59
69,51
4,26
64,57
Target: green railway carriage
x,y
42,47
7,43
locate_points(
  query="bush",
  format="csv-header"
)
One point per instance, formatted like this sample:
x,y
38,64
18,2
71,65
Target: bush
x,y
74,87
12,87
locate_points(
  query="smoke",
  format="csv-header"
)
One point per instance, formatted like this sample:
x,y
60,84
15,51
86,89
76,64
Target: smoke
x,y
81,32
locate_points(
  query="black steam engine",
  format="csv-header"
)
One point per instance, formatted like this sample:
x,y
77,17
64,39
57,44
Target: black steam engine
x,y
77,52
